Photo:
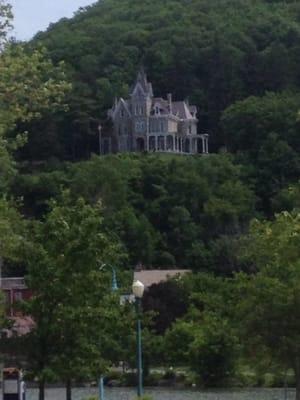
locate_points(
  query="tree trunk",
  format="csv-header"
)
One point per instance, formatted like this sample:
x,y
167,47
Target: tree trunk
x,y
68,390
42,390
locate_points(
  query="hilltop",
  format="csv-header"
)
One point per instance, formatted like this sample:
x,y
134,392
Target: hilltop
x,y
218,52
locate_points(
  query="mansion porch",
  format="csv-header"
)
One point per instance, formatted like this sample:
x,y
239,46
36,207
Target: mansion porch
x,y
173,143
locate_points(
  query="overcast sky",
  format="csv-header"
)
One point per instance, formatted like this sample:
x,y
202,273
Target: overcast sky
x,y
32,16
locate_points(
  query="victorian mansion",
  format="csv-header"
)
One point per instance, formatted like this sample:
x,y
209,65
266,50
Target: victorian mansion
x,y
147,123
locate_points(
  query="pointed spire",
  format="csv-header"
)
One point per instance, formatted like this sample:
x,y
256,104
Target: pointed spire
x,y
141,79
141,74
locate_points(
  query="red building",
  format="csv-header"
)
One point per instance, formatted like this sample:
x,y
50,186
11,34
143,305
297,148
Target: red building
x,y
15,290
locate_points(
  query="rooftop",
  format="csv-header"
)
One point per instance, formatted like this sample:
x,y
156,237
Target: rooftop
x,y
12,283
155,276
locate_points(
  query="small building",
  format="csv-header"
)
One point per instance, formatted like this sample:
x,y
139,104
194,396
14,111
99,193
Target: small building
x,y
144,122
15,290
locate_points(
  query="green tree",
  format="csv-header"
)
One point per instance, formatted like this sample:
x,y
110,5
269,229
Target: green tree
x,y
287,199
183,233
248,123
5,21
168,300
29,85
71,306
205,339
268,306
12,230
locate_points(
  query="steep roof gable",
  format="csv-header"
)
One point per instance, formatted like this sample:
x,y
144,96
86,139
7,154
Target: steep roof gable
x,y
121,104
181,109
142,85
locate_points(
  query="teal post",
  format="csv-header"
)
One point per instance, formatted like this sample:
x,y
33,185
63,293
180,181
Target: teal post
x,y
114,283
114,288
139,348
101,388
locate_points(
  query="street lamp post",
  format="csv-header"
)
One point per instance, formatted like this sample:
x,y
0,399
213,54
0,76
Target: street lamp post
x,y
114,283
114,287
138,291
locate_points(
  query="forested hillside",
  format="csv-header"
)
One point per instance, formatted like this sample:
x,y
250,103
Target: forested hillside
x,y
237,60
168,211
215,52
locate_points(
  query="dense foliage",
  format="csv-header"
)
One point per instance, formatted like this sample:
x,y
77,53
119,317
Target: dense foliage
x,y
167,211
270,302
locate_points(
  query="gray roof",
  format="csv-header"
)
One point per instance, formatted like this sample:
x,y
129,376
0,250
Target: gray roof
x,y
13,283
154,276
163,105
118,102
126,105
181,109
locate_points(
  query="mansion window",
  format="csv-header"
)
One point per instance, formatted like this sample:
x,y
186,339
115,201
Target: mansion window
x,y
139,126
154,125
138,110
122,113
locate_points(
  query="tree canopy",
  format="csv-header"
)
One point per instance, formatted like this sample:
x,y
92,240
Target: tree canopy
x,y
269,304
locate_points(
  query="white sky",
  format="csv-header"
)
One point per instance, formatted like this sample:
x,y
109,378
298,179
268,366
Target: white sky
x,y
32,16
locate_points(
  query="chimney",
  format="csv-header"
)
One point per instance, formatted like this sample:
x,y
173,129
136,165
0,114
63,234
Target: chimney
x,y
170,102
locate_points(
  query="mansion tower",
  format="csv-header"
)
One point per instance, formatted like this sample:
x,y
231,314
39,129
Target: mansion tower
x,y
147,123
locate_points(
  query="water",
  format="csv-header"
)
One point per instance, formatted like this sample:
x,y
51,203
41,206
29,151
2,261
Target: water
x,y
167,394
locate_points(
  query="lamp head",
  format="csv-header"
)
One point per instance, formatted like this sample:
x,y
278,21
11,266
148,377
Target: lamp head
x,y
138,289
